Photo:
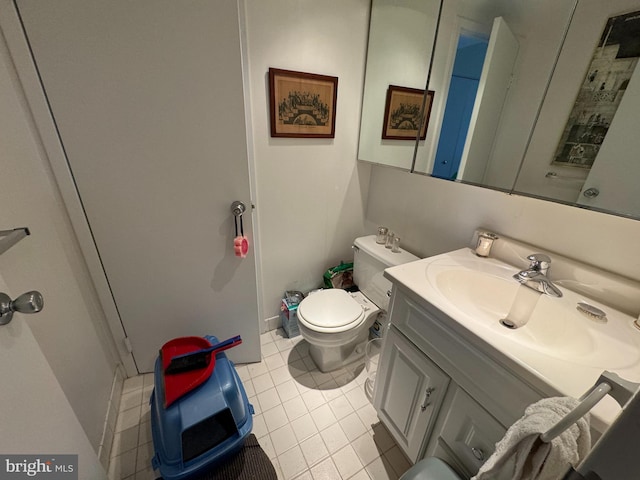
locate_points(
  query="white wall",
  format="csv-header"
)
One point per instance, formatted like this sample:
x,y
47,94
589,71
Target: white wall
x,y
311,193
434,216
70,328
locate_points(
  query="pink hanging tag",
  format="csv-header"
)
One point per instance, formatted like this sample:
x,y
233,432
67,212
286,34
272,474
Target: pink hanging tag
x,y
241,246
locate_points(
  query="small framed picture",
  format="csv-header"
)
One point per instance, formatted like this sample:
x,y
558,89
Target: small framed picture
x,y
302,104
402,113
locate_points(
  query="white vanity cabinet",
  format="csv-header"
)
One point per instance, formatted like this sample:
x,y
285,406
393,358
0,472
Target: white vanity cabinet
x,y
438,393
466,434
414,390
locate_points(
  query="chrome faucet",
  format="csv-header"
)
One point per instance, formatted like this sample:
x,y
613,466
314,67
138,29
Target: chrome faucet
x,y
535,277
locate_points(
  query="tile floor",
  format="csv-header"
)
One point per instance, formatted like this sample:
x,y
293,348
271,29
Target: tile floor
x,y
313,425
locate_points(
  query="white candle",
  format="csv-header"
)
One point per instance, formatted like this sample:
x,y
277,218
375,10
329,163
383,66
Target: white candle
x,y
485,241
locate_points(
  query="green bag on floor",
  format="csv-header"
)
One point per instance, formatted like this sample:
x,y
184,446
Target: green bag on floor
x,y
339,277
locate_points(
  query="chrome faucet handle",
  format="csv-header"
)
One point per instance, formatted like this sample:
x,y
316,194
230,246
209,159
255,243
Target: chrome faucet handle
x,y
539,262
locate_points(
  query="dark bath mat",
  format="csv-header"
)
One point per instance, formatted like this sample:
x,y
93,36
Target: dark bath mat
x,y
251,463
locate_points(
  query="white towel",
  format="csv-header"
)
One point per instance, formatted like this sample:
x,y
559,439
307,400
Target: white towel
x,y
534,459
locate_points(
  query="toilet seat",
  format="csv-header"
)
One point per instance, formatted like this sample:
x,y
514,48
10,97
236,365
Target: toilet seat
x,y
330,311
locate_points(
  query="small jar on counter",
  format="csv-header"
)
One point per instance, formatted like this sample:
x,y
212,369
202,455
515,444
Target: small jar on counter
x,y
485,242
395,247
381,237
389,242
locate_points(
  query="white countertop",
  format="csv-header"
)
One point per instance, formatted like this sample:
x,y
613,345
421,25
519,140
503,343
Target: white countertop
x,y
542,349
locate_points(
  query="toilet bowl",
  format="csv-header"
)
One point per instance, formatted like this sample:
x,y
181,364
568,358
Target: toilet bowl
x,y
336,323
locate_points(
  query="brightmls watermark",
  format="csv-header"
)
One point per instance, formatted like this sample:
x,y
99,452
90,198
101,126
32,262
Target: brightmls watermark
x,y
43,467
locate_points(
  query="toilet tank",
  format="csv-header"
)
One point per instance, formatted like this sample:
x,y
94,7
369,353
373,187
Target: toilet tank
x,y
369,261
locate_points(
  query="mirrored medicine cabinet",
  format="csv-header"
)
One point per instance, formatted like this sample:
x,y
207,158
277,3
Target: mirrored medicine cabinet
x,y
523,95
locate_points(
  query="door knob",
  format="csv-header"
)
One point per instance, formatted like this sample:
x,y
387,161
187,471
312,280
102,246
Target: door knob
x,y
238,208
30,302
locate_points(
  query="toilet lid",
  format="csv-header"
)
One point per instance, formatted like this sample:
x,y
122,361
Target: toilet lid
x,y
330,310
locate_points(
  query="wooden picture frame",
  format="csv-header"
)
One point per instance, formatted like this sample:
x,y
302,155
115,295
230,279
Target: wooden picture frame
x,y
302,105
402,113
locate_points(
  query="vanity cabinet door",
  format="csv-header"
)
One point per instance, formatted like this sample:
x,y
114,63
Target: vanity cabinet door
x,y
467,436
408,393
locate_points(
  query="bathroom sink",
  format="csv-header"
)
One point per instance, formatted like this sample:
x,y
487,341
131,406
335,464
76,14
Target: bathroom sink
x,y
556,349
483,290
479,292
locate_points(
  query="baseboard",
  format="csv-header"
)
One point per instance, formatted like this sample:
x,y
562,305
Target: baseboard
x,y
104,451
272,323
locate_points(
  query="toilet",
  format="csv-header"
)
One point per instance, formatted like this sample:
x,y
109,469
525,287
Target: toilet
x,y
335,322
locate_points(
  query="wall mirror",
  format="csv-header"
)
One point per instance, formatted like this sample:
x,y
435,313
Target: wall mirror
x,y
584,147
492,63
506,77
401,36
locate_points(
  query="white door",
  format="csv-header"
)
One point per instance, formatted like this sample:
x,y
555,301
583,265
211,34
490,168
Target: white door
x,y
148,100
495,80
35,415
614,175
